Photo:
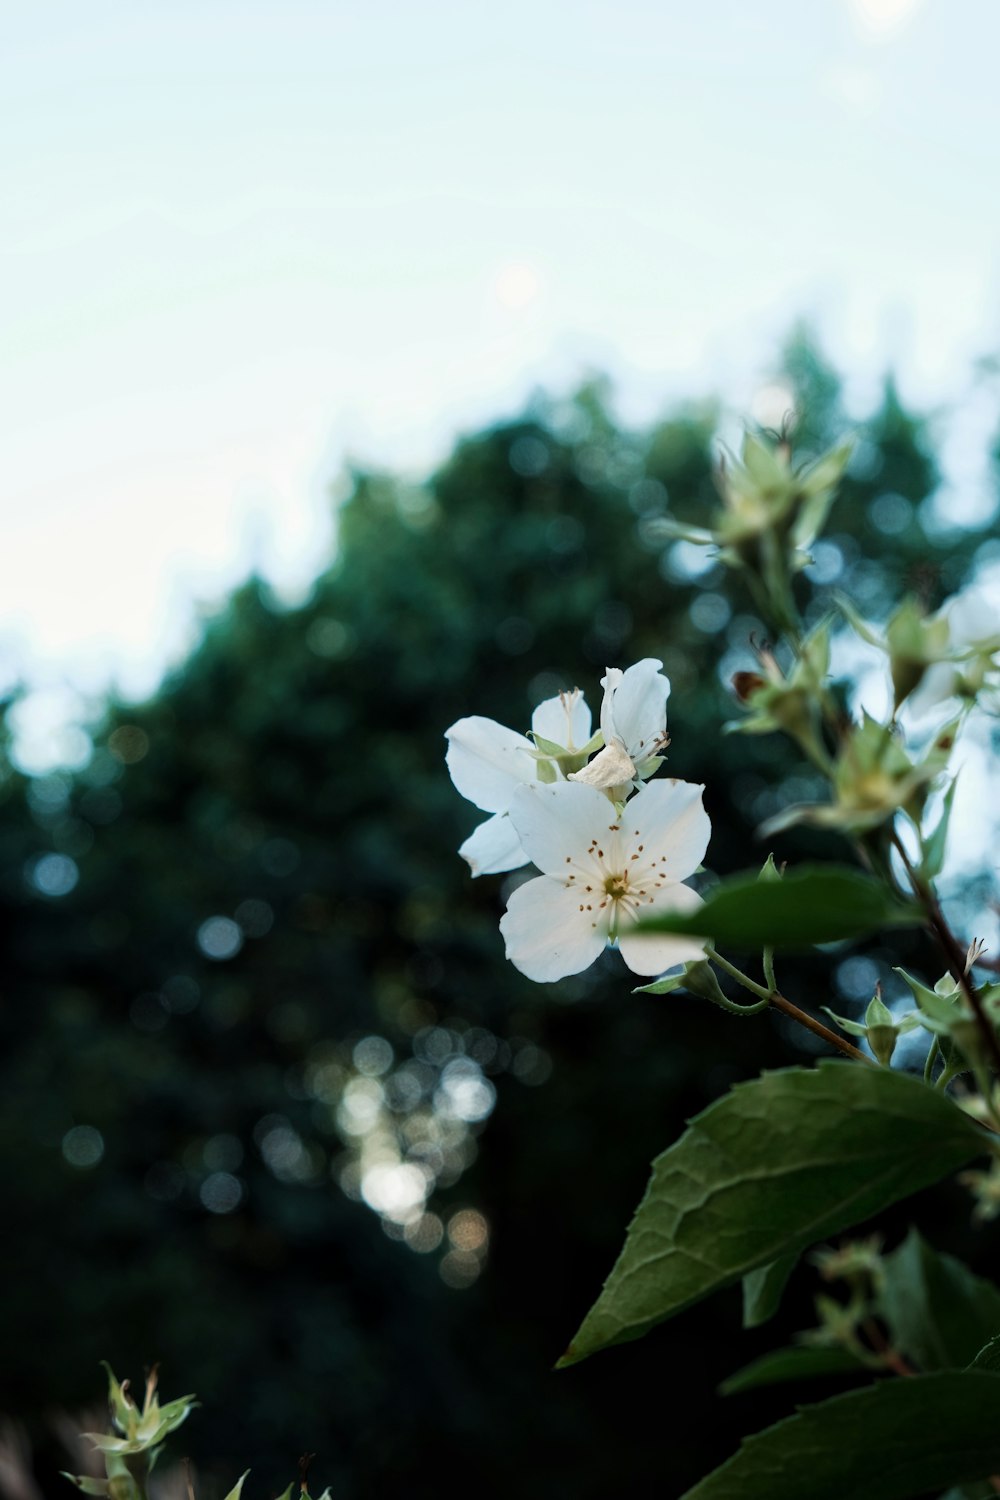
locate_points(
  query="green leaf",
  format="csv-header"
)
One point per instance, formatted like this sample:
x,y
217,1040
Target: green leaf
x,y
813,904
772,1167
939,1313
888,1441
237,1489
763,1288
801,1362
988,1358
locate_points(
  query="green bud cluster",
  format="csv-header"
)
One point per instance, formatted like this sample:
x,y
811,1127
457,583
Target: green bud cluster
x,y
945,1012
873,777
880,1028
859,1264
772,512
133,1446
135,1443
915,641
788,703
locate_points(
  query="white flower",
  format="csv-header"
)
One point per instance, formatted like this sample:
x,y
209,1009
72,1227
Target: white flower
x,y
634,724
488,763
600,872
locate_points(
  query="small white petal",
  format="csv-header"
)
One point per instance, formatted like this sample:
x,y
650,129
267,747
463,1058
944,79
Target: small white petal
x,y
939,683
668,821
639,707
651,953
494,847
560,824
488,762
610,767
564,720
610,682
546,933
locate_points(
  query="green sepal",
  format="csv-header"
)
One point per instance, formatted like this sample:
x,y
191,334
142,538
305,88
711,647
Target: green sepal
x,y
124,1411
697,977
548,747
852,1028
86,1484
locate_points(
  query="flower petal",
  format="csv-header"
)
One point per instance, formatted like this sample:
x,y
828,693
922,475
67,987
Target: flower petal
x,y
609,767
564,720
639,707
560,824
546,933
488,762
667,827
610,682
494,847
651,953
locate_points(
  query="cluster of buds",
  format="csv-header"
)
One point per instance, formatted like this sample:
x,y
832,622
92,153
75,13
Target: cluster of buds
x,y
772,512
985,1188
880,1028
840,1324
943,655
873,777
134,1445
788,703
944,1011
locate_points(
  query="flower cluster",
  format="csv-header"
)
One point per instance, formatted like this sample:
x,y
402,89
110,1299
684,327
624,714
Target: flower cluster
x,y
610,847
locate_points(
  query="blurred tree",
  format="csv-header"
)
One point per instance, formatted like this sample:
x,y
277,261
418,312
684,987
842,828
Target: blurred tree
x,y
250,984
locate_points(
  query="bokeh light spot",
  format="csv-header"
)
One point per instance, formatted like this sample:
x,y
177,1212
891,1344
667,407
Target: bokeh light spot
x,y
83,1146
373,1056
53,874
129,743
468,1230
459,1269
220,938
424,1234
221,1192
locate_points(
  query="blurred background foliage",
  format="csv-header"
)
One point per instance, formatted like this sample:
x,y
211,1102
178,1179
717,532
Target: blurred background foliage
x,y
275,1111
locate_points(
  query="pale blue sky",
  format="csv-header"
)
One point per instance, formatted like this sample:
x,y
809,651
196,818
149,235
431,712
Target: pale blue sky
x,y
240,241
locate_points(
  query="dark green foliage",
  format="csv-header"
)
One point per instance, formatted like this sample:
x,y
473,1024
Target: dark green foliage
x,y
896,1439
812,904
939,1314
775,1165
295,760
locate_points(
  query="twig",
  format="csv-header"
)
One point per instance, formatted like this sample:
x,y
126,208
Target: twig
x,y
954,957
818,1029
773,997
